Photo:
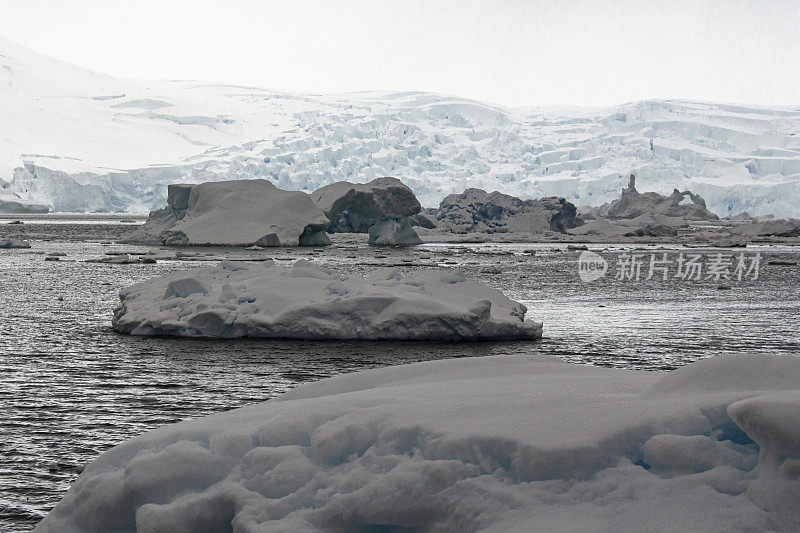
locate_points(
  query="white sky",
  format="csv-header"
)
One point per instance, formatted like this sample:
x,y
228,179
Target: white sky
x,y
507,52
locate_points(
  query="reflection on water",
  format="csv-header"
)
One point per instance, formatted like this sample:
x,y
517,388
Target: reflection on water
x,y
70,387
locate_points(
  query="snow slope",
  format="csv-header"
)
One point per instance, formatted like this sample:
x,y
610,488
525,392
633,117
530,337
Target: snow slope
x,y
306,301
525,443
78,140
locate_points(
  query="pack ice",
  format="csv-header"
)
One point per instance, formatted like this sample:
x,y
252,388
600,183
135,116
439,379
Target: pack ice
x,y
306,301
507,443
238,212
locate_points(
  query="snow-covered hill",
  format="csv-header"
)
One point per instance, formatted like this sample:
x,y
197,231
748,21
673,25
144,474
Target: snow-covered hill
x,y
82,141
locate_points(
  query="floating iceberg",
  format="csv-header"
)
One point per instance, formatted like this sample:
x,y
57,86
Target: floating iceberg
x,y
511,443
306,301
237,213
476,210
380,208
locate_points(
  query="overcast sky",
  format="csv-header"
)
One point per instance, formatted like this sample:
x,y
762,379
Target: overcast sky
x,y
512,52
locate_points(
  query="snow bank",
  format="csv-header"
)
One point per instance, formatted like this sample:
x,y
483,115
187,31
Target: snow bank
x,y
238,213
497,443
306,301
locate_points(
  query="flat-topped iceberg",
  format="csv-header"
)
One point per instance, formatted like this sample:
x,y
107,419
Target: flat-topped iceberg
x,y
306,301
236,213
510,443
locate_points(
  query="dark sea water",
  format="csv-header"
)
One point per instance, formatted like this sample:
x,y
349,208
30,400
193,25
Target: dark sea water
x,y
71,388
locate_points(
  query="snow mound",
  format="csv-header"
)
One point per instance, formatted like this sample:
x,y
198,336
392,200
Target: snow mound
x,y
306,301
490,444
237,213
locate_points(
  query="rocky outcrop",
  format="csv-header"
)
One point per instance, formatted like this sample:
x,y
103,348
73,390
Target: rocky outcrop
x,y
477,211
632,204
381,208
235,213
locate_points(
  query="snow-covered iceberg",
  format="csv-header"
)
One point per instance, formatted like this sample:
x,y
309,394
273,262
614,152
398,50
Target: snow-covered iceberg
x,y
306,301
511,443
237,213
13,242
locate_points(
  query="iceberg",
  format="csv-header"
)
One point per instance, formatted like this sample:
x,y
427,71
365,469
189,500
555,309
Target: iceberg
x,y
306,301
505,443
632,204
475,210
381,208
236,213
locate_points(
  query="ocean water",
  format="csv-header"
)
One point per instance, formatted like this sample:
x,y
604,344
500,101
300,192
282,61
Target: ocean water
x,y
70,387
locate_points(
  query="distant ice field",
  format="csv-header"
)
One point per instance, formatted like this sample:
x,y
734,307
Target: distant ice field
x,y
70,387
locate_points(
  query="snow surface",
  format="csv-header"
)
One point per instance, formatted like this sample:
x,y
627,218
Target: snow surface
x,y
520,443
81,141
306,301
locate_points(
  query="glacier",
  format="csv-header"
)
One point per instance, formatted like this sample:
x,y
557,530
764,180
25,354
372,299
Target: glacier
x,y
77,140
